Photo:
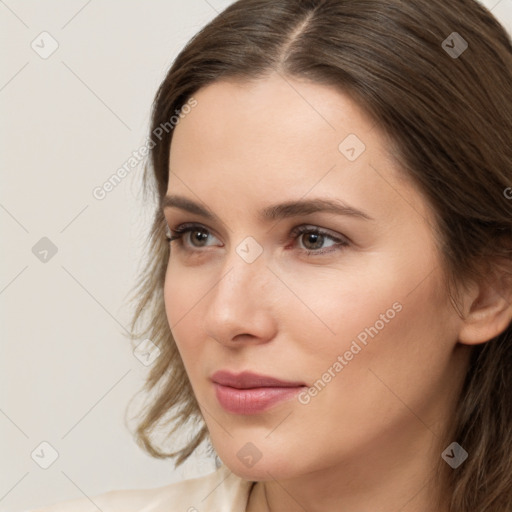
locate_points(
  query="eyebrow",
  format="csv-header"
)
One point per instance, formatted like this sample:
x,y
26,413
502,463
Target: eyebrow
x,y
274,212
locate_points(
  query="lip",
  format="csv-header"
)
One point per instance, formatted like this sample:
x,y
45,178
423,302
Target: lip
x,y
251,393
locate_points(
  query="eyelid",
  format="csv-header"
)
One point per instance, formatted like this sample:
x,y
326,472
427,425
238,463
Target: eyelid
x,y
178,226
306,228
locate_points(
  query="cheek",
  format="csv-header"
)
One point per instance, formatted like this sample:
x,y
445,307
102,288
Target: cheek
x,y
172,305
399,357
181,299
399,367
391,315
331,307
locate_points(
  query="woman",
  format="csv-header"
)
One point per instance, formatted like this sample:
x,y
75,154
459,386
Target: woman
x,y
330,284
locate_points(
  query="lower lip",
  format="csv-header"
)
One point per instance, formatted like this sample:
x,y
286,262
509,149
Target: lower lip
x,y
252,401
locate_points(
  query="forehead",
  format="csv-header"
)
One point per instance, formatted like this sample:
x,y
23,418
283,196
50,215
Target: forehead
x,y
275,111
280,138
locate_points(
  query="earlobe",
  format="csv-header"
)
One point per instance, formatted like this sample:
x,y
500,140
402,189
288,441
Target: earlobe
x,y
489,310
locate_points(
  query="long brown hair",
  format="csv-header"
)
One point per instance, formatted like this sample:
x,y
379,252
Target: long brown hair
x,y
446,108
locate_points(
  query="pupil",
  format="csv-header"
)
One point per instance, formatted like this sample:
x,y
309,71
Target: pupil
x,y
314,238
200,236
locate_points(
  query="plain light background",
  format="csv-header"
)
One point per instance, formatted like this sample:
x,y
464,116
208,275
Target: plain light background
x,y
69,122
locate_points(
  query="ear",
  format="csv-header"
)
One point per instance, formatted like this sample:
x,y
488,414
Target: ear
x,y
487,307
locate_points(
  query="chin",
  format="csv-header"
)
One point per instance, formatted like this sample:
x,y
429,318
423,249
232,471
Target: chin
x,y
263,470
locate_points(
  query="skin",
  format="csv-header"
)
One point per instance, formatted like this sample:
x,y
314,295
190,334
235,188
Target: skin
x,y
371,438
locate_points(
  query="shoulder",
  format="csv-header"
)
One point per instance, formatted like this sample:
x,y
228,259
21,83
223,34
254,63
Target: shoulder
x,y
221,488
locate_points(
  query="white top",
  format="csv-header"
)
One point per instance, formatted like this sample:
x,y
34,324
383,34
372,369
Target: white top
x,y
220,491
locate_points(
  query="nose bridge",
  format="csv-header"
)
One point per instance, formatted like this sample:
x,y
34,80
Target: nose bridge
x,y
239,302
243,277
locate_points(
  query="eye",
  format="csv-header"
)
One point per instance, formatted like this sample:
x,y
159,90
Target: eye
x,y
313,239
197,238
193,237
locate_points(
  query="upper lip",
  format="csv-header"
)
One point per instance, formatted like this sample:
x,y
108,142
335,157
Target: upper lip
x,y
247,380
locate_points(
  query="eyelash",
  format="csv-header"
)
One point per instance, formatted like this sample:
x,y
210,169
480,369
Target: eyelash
x,y
183,229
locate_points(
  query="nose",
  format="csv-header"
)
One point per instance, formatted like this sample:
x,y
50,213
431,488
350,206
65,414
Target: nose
x,y
240,306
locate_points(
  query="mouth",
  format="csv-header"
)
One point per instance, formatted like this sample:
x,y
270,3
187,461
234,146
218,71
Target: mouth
x,y
250,393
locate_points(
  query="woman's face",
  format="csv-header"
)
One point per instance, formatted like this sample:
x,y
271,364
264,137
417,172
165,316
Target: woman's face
x,y
354,308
